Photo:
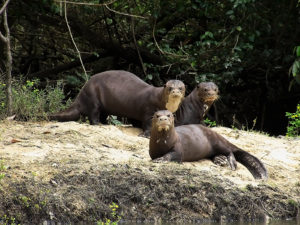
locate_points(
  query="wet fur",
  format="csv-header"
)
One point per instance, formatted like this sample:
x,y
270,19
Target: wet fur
x,y
118,93
197,104
195,142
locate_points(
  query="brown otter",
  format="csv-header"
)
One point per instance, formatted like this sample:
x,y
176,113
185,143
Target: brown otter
x,y
123,94
196,105
195,142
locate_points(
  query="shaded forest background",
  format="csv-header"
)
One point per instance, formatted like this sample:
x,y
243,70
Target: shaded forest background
x,y
246,47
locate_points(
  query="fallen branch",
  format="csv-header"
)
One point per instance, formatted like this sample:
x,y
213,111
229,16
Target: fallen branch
x,y
124,14
85,3
67,66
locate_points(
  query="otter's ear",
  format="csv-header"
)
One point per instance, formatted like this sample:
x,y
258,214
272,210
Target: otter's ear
x,y
198,86
165,85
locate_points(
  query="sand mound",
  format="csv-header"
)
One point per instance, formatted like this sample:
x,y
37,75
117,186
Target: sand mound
x,y
72,172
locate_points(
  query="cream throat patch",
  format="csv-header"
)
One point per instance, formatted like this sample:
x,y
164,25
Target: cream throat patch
x,y
173,103
161,128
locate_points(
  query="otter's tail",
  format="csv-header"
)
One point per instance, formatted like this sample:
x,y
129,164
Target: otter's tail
x,y
253,164
70,114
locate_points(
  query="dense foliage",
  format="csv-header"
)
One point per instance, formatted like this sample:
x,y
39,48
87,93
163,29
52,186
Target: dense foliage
x,y
293,128
246,46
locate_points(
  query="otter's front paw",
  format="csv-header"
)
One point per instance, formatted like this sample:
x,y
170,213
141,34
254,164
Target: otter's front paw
x,y
145,134
220,160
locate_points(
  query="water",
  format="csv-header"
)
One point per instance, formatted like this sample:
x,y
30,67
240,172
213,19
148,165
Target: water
x,y
271,222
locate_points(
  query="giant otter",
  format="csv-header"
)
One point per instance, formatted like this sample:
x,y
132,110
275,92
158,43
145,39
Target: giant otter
x,y
196,105
195,142
122,93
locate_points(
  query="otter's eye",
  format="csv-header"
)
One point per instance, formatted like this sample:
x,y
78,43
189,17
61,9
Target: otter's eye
x,y
180,88
205,89
170,89
157,116
168,115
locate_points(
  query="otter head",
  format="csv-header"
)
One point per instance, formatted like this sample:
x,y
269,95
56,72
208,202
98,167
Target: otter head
x,y
174,91
162,120
208,92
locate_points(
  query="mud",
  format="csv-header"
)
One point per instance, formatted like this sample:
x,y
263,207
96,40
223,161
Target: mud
x,y
71,172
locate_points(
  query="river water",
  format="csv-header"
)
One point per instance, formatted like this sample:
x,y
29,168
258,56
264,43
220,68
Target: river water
x,y
271,222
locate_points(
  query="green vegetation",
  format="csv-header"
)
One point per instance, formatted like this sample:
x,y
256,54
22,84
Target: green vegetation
x,y
113,120
30,102
293,202
25,200
210,123
2,168
115,218
5,220
293,128
295,68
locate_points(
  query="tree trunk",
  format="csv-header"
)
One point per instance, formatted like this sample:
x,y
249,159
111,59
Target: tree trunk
x,y
8,67
6,40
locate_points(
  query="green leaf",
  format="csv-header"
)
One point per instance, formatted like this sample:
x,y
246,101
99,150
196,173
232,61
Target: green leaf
x,y
239,28
109,21
193,64
296,68
251,37
194,6
149,76
230,12
298,51
207,34
96,54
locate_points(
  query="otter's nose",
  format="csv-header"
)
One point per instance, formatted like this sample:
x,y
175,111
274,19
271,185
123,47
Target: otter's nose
x,y
212,92
163,118
176,92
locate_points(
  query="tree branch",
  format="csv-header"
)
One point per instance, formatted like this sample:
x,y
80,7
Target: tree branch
x,y
71,35
98,40
124,14
95,39
4,6
67,66
86,3
137,48
3,38
8,66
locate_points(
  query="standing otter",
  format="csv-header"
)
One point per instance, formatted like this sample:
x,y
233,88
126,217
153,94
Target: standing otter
x,y
195,142
196,105
122,93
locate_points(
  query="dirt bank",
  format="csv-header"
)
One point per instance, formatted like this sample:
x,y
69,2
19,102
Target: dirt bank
x,y
72,172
